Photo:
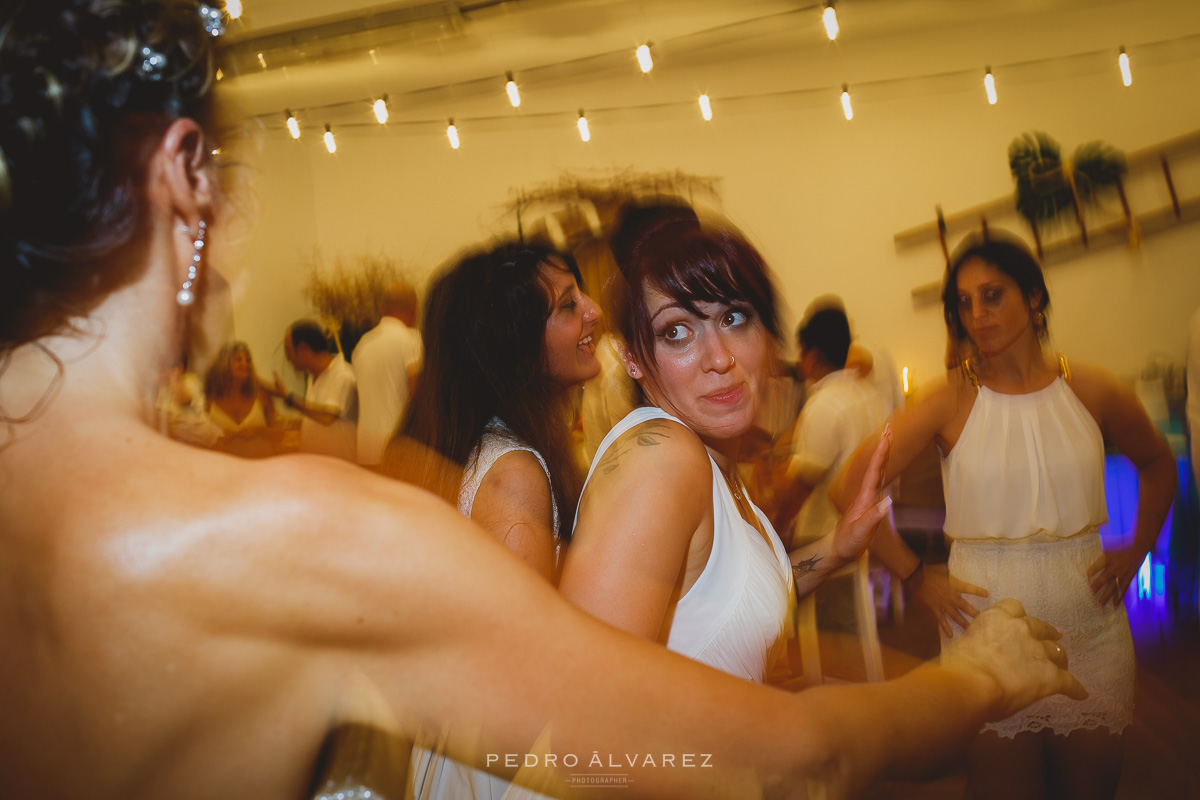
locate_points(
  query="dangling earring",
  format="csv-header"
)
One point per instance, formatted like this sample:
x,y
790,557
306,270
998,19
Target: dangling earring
x,y
186,296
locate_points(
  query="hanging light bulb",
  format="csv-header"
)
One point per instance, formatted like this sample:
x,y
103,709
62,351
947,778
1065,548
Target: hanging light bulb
x,y
829,17
989,83
381,109
452,134
846,109
644,59
584,133
330,144
292,126
705,108
1123,60
233,8
514,94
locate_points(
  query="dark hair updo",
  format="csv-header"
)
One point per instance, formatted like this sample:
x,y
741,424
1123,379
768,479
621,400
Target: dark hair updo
x,y
86,88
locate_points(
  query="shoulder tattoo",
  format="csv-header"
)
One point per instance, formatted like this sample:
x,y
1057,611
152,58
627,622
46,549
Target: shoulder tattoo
x,y
648,434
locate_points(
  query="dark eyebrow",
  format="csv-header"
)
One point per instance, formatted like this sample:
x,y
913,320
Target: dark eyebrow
x,y
676,304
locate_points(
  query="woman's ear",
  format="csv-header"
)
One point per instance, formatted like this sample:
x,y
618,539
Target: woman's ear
x,y
185,170
629,360
1037,301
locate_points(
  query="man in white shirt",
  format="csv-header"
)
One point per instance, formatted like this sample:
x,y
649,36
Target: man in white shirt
x,y
387,363
842,410
330,404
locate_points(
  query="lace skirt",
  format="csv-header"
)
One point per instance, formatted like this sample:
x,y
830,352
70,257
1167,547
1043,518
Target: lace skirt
x,y
1051,581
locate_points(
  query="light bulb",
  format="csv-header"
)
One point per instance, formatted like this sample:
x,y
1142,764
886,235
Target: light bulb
x,y
989,83
330,144
381,109
292,126
584,133
233,8
644,59
705,107
514,94
829,17
452,134
1126,75
846,109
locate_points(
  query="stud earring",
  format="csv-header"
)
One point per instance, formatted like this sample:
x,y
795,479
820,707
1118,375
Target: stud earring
x,y
186,296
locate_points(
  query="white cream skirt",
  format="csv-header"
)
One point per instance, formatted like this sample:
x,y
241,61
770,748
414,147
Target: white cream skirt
x,y
1051,581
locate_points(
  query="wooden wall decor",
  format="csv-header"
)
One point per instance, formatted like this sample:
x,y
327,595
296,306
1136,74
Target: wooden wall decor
x,y
1127,228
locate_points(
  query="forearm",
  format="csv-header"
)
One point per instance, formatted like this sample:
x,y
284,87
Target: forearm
x,y
813,563
907,727
1157,483
318,413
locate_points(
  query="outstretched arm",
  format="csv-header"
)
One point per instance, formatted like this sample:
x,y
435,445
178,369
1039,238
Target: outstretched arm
x,y
458,636
936,413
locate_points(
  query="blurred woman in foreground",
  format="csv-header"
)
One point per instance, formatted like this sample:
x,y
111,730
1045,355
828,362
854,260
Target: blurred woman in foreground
x,y
154,649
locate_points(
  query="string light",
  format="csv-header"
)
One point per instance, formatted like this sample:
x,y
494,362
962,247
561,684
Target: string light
x,y
452,134
644,59
514,94
220,74
584,133
829,17
705,108
292,126
330,144
233,8
1123,60
381,109
846,109
989,83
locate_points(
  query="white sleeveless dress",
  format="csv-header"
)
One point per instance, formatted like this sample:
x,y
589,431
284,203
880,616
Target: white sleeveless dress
x,y
735,611
436,777
1024,489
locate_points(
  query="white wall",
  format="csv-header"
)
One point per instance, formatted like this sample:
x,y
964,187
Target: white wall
x,y
820,196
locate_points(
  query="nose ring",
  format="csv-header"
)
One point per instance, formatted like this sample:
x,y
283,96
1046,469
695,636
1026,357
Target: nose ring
x,y
732,359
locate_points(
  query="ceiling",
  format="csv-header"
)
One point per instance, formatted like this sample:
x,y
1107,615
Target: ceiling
x,y
332,59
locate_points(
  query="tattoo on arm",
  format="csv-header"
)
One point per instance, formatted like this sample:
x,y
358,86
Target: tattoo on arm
x,y
804,567
646,435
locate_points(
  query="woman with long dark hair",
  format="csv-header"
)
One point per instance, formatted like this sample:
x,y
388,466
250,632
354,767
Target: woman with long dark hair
x,y
508,333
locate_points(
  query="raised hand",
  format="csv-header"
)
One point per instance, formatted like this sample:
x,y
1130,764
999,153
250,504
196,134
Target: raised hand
x,y
856,527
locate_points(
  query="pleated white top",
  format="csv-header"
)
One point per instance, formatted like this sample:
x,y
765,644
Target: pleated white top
x,y
735,611
1026,467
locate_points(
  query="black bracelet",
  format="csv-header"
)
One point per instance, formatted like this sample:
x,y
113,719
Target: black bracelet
x,y
915,578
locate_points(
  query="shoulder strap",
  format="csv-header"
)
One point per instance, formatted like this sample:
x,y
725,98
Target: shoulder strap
x,y
969,371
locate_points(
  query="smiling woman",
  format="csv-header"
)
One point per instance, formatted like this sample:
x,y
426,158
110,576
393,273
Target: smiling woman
x,y
708,579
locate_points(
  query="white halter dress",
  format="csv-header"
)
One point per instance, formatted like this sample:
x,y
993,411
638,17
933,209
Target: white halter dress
x,y
1024,489
735,611
436,777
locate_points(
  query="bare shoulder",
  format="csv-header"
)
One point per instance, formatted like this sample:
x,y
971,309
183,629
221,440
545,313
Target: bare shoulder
x,y
665,448
297,547
1094,384
517,473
